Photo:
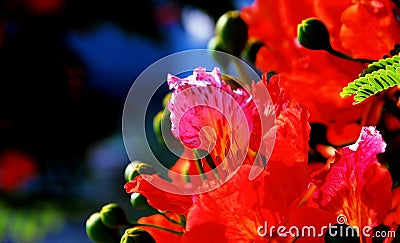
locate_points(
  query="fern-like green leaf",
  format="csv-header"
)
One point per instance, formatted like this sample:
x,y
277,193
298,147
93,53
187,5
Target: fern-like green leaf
x,y
378,76
381,64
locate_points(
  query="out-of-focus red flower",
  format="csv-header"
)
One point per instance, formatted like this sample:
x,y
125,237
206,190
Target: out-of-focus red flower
x,y
44,7
356,185
2,33
157,198
316,78
159,235
16,169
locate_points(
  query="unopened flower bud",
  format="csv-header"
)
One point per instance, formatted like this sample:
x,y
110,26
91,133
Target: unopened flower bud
x,y
233,31
157,121
216,46
251,50
98,232
136,235
136,168
166,99
113,216
139,201
313,34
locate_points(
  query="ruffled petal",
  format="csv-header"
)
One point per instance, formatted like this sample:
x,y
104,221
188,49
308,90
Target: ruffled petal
x,y
356,184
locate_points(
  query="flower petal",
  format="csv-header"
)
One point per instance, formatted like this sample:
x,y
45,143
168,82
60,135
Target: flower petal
x,y
356,184
157,198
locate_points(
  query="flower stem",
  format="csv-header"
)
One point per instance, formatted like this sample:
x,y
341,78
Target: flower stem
x,y
307,195
171,220
198,164
347,57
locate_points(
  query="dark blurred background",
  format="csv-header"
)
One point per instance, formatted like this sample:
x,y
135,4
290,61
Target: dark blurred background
x,y
66,67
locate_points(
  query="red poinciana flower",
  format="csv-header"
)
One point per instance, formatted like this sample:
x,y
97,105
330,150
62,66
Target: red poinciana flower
x,y
356,184
234,211
316,78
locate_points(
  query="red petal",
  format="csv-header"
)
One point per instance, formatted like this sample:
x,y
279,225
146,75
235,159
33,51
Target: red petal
x,y
241,205
211,232
311,217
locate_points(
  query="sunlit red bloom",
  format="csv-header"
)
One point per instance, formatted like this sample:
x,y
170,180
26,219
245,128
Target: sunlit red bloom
x,y
356,184
16,169
240,206
366,29
206,114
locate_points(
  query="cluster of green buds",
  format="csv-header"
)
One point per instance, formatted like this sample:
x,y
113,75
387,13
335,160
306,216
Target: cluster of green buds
x,y
231,36
132,170
231,33
108,224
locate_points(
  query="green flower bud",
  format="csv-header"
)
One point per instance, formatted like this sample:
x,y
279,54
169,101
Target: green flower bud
x,y
139,201
233,31
136,235
215,44
136,168
113,216
98,232
314,35
157,120
251,50
166,99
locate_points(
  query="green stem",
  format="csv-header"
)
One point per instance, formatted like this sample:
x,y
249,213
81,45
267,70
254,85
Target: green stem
x,y
170,220
157,227
347,57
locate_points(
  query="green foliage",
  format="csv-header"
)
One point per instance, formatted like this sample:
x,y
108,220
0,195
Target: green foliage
x,y
29,224
378,76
